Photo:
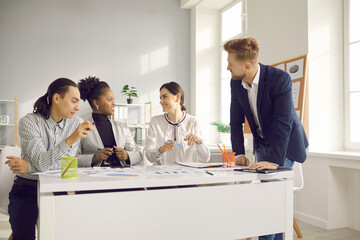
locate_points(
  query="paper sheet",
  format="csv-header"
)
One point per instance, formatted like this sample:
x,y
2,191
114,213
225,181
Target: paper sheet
x,y
296,93
131,172
135,172
162,170
295,69
281,66
199,164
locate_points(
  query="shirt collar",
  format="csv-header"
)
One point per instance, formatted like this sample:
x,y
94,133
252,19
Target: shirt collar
x,y
181,120
257,76
62,123
51,123
256,80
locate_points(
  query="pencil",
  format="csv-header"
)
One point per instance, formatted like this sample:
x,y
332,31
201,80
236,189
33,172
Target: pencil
x,y
68,166
226,155
227,159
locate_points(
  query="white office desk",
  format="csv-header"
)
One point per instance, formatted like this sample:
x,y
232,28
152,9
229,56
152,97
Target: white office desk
x,y
223,206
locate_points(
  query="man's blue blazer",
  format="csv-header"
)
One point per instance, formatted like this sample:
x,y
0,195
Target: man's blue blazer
x,y
280,125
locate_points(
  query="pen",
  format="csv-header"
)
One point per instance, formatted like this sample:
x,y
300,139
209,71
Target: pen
x,y
209,173
99,149
178,144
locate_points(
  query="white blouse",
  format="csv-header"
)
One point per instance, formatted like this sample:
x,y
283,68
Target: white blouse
x,y
161,129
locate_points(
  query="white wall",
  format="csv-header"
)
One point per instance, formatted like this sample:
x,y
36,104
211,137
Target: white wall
x,y
139,42
353,206
330,197
280,27
326,113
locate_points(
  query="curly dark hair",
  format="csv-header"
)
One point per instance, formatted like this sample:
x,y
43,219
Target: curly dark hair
x,y
91,88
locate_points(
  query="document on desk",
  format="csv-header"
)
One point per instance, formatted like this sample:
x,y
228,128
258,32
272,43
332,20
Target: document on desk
x,y
174,170
132,172
51,172
199,164
110,172
99,172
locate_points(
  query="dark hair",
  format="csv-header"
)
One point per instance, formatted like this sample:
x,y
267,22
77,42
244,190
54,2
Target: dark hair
x,y
59,86
175,88
91,88
244,48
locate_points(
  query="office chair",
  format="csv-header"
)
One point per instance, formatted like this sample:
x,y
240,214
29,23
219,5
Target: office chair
x,y
6,177
298,185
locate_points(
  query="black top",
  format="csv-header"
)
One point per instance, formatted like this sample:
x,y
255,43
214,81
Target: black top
x,y
106,133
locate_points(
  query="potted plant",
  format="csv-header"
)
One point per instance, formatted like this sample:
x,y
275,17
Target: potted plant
x,y
224,131
130,92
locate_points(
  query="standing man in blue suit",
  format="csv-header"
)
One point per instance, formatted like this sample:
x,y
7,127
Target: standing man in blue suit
x,y
263,94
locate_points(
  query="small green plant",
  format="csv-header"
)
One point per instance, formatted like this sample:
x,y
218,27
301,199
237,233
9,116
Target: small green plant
x,y
221,127
129,91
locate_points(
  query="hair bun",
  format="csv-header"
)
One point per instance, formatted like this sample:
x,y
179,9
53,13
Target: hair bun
x,y
87,85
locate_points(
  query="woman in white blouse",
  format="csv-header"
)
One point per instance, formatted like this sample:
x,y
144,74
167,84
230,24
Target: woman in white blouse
x,y
172,135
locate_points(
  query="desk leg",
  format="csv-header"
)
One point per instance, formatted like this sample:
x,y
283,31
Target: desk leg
x,y
46,220
289,210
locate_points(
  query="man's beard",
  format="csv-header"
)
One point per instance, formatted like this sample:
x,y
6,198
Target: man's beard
x,y
241,77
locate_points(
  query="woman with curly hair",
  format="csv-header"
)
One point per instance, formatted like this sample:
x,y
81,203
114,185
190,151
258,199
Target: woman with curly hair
x,y
114,138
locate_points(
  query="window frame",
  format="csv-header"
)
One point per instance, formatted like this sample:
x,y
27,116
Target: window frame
x,y
221,47
348,144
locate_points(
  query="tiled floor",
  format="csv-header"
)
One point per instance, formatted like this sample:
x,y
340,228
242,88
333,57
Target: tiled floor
x,y
309,232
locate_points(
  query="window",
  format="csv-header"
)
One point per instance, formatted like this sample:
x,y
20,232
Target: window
x,y
232,25
352,74
231,21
